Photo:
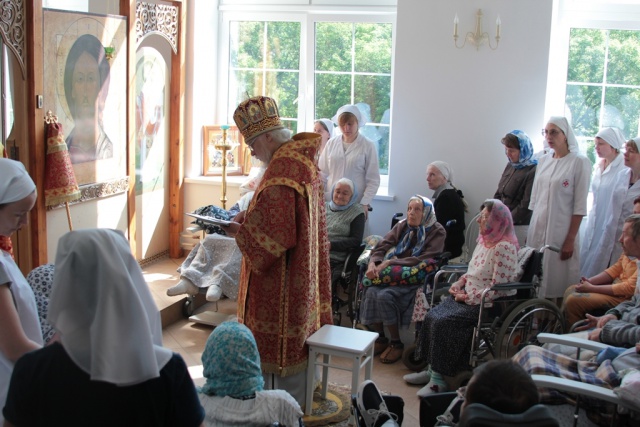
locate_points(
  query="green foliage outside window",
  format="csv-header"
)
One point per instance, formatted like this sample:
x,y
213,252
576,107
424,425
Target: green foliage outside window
x,y
351,62
603,81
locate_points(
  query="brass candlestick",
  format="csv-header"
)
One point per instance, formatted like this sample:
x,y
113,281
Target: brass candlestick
x,y
224,145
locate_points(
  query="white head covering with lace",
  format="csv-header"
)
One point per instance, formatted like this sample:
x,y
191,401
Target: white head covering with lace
x,y
102,307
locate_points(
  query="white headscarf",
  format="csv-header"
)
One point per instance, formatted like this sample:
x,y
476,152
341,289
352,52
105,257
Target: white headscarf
x,y
563,124
350,108
612,136
15,182
444,168
329,125
102,307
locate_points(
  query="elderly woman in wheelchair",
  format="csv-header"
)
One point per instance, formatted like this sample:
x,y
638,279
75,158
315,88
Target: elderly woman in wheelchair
x,y
345,224
444,339
398,265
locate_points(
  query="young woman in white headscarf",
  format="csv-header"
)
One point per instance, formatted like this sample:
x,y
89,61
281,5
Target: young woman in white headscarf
x,y
19,323
109,367
351,155
325,128
449,205
558,202
597,239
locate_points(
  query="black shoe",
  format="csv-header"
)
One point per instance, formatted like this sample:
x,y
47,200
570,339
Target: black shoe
x,y
371,405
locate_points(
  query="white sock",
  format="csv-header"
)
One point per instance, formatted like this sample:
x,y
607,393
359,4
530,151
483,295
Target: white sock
x,y
214,293
184,286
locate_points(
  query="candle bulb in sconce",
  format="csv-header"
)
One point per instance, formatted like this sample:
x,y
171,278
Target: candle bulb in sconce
x,y
455,26
498,24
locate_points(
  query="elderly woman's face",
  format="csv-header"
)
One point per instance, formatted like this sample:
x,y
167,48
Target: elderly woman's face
x,y
342,194
482,220
603,149
414,213
513,154
435,178
631,157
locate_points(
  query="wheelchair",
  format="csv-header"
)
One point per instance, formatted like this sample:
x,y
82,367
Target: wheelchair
x,y
506,324
345,285
479,415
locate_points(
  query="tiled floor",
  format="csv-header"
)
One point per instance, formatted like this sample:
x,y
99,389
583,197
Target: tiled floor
x,y
188,339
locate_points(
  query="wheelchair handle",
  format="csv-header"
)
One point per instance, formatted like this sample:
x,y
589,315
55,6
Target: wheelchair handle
x,y
550,247
451,223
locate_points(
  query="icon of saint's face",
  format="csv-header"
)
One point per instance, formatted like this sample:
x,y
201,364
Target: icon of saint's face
x,y
85,90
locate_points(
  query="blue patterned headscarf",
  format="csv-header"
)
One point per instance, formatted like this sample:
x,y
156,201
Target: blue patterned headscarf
x,y
231,362
526,150
428,219
354,195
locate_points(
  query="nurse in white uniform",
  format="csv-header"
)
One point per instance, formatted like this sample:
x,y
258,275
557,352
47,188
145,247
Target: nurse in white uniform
x,y
598,240
558,202
625,193
21,331
351,155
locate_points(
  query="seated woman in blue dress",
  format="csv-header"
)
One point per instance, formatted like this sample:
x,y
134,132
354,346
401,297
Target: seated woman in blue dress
x,y
398,265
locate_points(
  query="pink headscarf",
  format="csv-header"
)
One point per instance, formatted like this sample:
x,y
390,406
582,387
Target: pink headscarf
x,y
499,226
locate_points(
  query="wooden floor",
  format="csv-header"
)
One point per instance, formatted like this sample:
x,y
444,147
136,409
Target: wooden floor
x,y
188,338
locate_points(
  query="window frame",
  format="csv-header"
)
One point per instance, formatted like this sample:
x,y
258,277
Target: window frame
x,y
307,17
596,14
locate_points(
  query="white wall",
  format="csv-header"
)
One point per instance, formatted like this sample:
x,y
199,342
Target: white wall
x,y
454,104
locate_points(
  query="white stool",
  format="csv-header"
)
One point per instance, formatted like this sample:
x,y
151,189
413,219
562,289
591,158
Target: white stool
x,y
338,341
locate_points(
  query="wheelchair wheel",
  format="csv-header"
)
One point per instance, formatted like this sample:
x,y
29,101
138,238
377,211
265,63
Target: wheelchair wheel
x,y
524,323
410,361
188,307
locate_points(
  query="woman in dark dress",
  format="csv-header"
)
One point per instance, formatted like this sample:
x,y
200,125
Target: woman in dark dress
x,y
449,205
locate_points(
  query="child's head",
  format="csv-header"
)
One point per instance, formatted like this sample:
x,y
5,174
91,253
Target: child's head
x,y
502,385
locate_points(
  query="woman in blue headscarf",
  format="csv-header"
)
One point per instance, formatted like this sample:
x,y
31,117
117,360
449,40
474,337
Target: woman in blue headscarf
x,y
345,223
398,265
233,392
516,182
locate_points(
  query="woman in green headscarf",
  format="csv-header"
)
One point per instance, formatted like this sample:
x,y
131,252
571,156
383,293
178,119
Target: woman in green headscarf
x,y
233,393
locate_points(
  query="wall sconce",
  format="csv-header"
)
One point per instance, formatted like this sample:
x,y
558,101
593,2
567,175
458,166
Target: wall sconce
x,y
478,38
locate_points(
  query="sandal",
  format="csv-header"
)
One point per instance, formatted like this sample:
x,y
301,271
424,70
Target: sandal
x,y
381,344
393,353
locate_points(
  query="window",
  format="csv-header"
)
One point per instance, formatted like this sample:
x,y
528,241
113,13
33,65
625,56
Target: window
x,y
313,64
264,58
603,82
353,66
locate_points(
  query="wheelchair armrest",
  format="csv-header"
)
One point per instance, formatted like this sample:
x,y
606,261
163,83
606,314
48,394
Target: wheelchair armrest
x,y
455,268
443,259
571,340
511,285
352,258
577,387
